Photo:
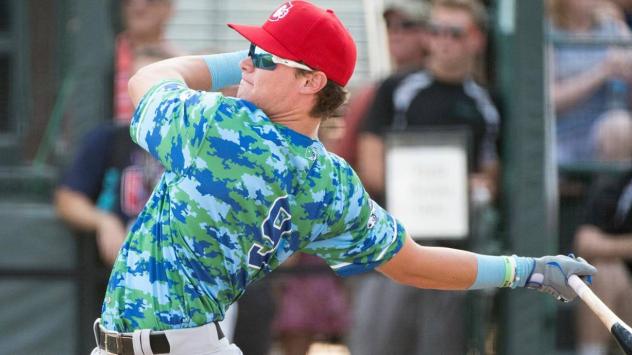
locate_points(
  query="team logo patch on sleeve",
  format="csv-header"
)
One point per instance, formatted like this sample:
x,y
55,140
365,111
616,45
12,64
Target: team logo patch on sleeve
x,y
372,217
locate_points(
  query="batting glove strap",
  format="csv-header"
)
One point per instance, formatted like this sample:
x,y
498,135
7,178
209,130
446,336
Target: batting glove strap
x,y
551,273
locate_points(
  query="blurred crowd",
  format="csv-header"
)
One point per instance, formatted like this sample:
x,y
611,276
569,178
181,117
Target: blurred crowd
x,y
439,51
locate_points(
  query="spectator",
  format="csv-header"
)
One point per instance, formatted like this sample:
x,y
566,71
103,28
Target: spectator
x,y
456,39
585,77
144,23
407,42
605,238
441,95
106,187
111,178
408,48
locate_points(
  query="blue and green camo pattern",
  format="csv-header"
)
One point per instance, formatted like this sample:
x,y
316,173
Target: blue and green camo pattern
x,y
239,195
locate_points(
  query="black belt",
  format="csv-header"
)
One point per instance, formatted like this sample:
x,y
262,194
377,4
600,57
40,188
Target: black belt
x,y
122,344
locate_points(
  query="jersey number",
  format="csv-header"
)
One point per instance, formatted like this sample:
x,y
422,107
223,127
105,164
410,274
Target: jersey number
x,y
277,223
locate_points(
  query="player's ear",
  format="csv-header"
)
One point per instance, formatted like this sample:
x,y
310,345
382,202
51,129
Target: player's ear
x,y
313,82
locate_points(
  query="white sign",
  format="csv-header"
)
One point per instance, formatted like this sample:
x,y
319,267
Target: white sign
x,y
427,190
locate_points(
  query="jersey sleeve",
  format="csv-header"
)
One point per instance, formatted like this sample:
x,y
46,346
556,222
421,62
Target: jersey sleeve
x,y
360,235
171,121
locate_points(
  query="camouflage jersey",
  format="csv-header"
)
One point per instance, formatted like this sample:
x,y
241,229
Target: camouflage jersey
x,y
239,195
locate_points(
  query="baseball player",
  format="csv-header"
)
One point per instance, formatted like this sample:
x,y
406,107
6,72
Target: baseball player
x,y
247,184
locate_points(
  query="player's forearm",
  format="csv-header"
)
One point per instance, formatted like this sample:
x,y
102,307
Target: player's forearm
x,y
432,267
207,72
192,70
76,209
445,269
453,269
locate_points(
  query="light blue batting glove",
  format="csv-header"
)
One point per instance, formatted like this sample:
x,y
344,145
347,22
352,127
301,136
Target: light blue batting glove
x,y
550,275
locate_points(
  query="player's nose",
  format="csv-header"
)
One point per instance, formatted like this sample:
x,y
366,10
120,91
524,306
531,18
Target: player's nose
x,y
246,65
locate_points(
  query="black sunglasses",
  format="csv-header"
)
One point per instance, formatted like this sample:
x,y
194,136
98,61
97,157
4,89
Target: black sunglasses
x,y
267,61
261,60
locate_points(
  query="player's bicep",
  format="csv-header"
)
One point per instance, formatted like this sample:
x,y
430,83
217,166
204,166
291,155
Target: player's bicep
x,y
171,121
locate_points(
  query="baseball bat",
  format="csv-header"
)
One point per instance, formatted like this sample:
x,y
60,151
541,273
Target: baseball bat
x,y
621,331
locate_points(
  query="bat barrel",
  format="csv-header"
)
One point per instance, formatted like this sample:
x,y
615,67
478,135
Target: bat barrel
x,y
623,336
621,331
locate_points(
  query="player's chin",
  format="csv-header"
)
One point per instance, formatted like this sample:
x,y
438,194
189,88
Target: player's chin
x,y
243,91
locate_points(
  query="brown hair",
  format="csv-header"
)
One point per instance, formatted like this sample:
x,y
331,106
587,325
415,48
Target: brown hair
x,y
328,99
474,7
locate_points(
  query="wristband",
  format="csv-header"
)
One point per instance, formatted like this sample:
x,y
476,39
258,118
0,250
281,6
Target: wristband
x,y
510,271
224,68
493,271
524,268
502,271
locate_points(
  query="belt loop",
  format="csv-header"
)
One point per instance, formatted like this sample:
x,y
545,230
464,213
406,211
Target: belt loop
x,y
119,344
218,328
140,341
95,330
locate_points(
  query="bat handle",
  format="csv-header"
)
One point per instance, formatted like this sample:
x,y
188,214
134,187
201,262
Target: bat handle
x,y
593,302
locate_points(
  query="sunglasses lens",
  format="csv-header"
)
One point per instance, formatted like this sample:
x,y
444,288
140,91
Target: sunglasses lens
x,y
451,31
261,60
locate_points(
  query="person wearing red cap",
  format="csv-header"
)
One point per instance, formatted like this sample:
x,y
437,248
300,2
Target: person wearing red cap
x,y
247,184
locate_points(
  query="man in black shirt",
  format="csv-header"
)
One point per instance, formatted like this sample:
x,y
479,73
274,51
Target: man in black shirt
x,y
605,238
442,95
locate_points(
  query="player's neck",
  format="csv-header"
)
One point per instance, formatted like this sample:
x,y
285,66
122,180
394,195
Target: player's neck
x,y
301,123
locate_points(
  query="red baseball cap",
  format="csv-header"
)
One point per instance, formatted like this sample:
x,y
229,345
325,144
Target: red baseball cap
x,y
303,32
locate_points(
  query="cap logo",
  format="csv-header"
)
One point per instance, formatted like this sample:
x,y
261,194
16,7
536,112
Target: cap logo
x,y
281,12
